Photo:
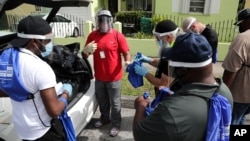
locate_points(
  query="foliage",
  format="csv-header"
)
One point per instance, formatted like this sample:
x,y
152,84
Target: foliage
x,y
131,20
141,35
123,15
157,18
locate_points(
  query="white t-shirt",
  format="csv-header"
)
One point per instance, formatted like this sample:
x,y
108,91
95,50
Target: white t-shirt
x,y
36,75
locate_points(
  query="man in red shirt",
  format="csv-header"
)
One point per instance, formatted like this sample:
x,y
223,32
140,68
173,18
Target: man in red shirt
x,y
107,45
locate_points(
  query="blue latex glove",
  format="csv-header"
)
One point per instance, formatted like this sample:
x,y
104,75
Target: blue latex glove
x,y
68,87
140,70
144,59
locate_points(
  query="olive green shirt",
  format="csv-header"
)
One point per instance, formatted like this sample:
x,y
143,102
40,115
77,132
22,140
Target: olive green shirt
x,y
182,116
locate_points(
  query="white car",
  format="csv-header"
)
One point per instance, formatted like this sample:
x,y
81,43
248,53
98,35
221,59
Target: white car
x,y
62,26
83,104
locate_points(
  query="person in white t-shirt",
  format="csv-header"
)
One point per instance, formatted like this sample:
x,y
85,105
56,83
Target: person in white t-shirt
x,y
34,116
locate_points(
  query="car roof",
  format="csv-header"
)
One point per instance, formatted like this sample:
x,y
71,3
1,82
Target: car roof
x,y
54,4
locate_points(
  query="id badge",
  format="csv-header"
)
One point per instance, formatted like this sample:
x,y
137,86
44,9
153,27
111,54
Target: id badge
x,y
102,55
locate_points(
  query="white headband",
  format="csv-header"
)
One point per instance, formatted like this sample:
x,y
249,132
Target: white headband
x,y
165,33
189,65
32,36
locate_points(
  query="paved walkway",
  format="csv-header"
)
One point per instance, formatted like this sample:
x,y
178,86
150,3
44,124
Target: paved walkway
x,y
102,134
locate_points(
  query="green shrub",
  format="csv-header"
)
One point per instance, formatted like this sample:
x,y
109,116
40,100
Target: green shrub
x,y
141,35
157,18
131,20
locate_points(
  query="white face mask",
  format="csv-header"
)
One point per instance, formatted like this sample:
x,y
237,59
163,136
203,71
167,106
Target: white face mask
x,y
49,48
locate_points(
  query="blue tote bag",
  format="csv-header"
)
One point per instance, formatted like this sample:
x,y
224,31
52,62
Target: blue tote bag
x,y
68,126
11,82
219,119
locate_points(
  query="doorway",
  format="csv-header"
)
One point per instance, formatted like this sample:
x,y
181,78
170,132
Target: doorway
x,y
113,6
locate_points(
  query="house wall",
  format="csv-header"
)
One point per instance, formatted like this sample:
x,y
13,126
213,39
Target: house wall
x,y
146,46
123,5
226,11
247,4
24,9
97,5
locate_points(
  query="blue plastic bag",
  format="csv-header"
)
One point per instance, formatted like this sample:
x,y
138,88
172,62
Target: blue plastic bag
x,y
135,79
161,95
219,119
68,126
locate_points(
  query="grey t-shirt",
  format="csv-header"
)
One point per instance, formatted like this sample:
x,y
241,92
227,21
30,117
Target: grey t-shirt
x,y
238,60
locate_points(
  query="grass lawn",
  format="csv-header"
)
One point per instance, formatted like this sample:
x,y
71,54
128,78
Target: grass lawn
x,y
128,89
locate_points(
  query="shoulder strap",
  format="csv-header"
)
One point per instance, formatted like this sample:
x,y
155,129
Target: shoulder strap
x,y
6,47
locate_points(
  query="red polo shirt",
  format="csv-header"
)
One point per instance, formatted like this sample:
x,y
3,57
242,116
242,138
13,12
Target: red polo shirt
x,y
107,56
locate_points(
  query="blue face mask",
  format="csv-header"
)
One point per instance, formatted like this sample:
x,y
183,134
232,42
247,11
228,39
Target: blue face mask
x,y
160,43
48,48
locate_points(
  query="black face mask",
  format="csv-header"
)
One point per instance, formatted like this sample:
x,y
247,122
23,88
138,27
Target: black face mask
x,y
178,82
178,74
241,29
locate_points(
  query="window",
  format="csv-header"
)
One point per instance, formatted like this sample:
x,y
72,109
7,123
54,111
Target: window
x,y
38,8
145,5
196,6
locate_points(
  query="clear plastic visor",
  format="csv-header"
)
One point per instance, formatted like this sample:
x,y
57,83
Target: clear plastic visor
x,y
104,19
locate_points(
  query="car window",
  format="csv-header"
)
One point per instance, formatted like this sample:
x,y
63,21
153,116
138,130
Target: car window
x,y
61,19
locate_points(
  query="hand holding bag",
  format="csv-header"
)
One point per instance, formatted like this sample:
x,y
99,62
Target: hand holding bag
x,y
68,125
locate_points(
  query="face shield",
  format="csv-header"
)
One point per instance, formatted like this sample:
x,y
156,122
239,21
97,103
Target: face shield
x,y
190,27
104,23
176,75
161,43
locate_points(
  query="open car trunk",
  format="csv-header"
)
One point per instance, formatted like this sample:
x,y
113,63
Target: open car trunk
x,y
67,65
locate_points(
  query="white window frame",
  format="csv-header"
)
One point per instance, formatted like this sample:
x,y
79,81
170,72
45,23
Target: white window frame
x,y
139,4
183,6
193,7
